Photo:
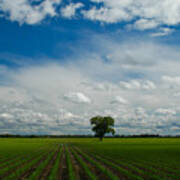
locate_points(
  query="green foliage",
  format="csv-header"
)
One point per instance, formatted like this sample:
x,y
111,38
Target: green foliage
x,y
98,165
102,125
149,158
25,168
38,170
55,167
84,166
128,158
71,173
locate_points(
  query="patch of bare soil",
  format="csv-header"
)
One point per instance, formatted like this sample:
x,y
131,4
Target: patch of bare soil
x,y
32,169
46,171
93,168
125,167
63,169
80,174
113,170
158,172
7,173
5,163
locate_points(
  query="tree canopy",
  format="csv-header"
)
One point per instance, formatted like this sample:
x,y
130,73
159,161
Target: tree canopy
x,y
102,125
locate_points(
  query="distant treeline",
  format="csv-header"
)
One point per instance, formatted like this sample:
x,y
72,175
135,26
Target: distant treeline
x,y
87,136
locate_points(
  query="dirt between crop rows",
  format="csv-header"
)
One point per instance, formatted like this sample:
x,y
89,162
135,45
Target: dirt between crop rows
x,y
158,172
160,169
7,173
155,167
113,170
93,168
144,174
63,170
123,167
33,168
165,170
26,174
15,160
46,171
149,171
5,163
80,173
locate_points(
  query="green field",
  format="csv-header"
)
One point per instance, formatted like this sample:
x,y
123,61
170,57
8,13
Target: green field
x,y
76,158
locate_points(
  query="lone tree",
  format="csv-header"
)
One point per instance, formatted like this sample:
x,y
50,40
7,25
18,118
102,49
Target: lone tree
x,y
102,125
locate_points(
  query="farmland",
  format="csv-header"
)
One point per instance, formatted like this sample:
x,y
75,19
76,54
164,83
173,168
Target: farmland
x,y
88,158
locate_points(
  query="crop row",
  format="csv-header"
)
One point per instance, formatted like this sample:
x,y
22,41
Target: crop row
x,y
71,162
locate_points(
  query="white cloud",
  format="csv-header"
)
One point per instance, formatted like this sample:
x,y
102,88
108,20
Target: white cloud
x,y
23,11
141,15
166,111
106,15
70,10
119,100
148,85
6,116
144,24
135,84
162,32
172,80
56,98
147,14
140,113
77,97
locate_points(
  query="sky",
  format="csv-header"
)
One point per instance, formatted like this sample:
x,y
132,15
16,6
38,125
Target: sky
x,y
65,61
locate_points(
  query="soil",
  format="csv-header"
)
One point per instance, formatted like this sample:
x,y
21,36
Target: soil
x,y
63,170
94,169
33,168
46,171
80,173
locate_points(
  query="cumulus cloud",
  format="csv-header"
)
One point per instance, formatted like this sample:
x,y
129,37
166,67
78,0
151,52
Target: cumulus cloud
x,y
141,114
121,79
77,97
70,10
106,15
166,111
119,100
135,84
162,32
140,15
144,24
23,11
146,14
172,80
6,116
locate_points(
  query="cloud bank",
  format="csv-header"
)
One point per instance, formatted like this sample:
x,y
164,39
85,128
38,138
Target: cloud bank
x,y
162,16
136,83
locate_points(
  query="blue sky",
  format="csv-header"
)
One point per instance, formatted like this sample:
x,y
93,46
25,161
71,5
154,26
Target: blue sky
x,y
62,62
